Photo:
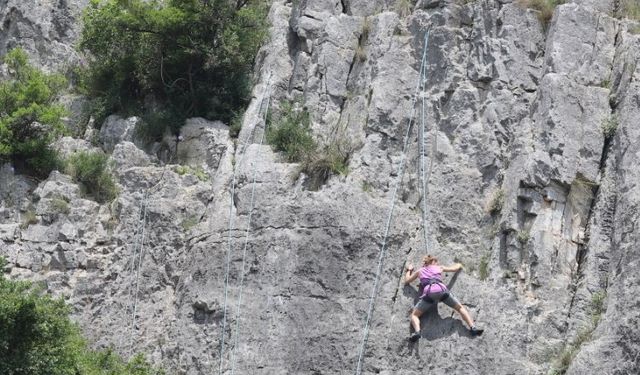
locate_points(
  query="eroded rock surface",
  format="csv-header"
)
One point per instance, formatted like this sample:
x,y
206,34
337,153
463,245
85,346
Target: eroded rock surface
x,y
526,190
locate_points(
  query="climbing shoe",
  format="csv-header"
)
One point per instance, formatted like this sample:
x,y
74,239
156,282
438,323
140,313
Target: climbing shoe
x,y
475,331
415,337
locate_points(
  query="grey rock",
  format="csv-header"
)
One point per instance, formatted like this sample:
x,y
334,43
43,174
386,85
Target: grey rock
x,y
46,30
77,117
67,146
203,143
9,232
508,108
127,155
116,129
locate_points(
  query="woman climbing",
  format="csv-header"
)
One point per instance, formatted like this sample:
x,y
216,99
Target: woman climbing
x,y
435,291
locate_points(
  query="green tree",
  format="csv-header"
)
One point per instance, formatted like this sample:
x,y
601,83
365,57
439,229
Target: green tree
x,y
29,117
37,337
191,57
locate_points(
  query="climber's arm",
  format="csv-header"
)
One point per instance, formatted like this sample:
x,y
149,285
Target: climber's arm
x,y
410,276
453,268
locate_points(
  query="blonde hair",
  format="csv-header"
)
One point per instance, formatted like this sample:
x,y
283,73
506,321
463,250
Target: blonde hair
x,y
429,259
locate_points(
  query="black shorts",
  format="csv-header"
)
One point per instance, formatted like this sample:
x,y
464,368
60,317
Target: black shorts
x,y
450,301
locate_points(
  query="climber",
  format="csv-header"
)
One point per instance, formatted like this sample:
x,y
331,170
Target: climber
x,y
435,291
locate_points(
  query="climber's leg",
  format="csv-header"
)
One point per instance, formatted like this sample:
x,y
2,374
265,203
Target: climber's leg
x,y
415,319
452,301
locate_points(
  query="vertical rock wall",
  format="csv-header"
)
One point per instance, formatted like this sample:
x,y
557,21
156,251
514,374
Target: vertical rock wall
x,y
513,110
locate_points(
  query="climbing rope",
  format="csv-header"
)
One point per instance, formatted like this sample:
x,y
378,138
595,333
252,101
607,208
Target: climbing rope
x,y
374,292
229,247
140,252
140,257
426,175
246,237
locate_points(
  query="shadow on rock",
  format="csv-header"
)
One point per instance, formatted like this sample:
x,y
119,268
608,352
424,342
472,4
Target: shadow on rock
x,y
432,324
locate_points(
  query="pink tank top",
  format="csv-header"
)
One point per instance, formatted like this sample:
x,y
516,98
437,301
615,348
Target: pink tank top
x,y
433,273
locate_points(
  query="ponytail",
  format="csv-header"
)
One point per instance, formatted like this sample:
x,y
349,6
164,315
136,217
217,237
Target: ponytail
x,y
428,260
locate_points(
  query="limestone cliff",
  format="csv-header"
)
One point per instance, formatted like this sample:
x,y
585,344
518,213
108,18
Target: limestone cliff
x,y
526,190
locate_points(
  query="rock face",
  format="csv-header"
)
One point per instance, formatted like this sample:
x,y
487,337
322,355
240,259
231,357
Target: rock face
x,y
525,189
46,29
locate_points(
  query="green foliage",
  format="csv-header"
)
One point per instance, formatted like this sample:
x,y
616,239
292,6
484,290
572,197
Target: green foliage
x,y
29,218
291,133
189,223
496,203
523,237
325,161
29,119
545,9
483,267
609,126
200,173
190,57
37,337
59,206
90,170
628,9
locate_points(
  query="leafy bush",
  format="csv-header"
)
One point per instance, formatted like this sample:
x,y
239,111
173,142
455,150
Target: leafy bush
x,y
199,172
90,170
319,165
496,203
29,119
59,206
523,237
545,9
37,337
190,57
628,9
29,218
292,133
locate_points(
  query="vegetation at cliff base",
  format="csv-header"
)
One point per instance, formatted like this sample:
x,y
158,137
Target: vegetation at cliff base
x,y
37,337
29,117
174,58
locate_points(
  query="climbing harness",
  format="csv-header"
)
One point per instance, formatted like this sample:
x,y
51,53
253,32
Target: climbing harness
x,y
374,292
428,283
249,137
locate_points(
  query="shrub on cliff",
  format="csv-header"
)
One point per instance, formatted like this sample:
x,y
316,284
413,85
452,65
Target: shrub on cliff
x,y
37,337
187,57
545,9
291,134
29,117
90,170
